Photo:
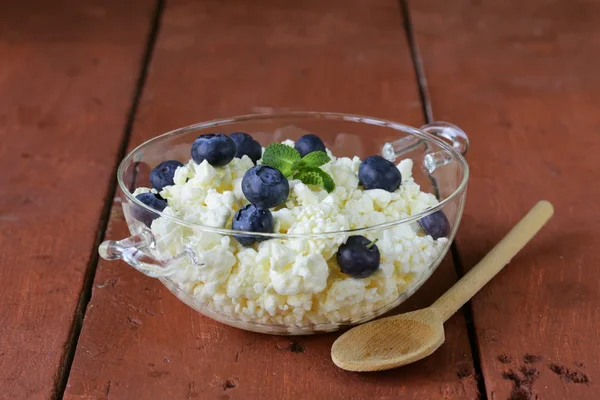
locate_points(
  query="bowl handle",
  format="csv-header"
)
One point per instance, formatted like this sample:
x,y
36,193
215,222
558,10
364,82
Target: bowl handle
x,y
445,130
452,133
134,251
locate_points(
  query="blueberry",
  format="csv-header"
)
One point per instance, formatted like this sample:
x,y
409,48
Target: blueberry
x,y
265,187
162,174
358,257
376,172
435,225
151,200
309,143
252,219
246,145
216,148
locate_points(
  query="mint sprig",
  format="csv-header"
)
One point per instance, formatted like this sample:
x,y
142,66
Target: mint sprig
x,y
282,157
287,160
317,177
313,160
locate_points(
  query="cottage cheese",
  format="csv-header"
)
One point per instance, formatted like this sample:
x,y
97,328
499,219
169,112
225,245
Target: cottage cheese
x,y
294,282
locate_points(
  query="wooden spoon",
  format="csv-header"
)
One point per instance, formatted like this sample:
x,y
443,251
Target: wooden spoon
x,y
402,339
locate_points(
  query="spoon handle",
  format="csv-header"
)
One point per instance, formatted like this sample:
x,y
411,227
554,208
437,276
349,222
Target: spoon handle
x,y
494,261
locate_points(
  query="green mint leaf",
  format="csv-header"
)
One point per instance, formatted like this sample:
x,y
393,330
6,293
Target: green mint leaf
x,y
282,157
297,165
314,160
317,177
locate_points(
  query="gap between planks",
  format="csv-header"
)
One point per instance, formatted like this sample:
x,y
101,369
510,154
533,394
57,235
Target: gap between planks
x,y
88,282
467,309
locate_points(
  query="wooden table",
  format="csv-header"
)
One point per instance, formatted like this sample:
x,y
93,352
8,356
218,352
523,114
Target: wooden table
x,y
83,82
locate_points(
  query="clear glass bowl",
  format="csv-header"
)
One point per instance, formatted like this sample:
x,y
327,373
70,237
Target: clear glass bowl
x,y
439,168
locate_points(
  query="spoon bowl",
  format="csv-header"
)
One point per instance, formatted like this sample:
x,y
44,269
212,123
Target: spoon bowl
x,y
377,345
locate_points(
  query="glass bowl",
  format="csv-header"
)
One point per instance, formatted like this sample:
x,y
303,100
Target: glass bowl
x,y
290,283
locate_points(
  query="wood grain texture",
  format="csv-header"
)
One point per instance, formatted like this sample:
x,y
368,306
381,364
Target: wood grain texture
x,y
67,75
216,59
521,79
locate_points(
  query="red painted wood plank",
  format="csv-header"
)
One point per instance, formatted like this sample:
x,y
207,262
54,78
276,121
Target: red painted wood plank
x,y
67,77
522,78
225,58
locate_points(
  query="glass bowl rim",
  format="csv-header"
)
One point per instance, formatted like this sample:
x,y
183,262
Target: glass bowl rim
x,y
299,114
